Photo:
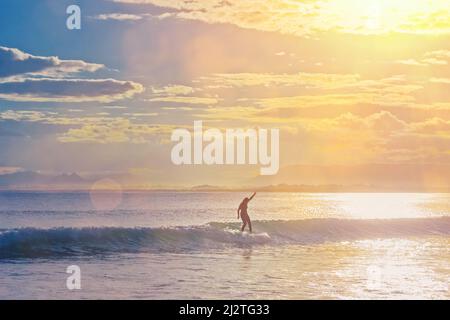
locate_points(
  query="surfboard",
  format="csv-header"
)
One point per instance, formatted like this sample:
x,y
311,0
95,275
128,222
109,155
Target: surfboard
x,y
253,235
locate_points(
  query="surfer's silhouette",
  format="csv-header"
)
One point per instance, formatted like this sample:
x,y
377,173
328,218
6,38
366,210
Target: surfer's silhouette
x,y
242,212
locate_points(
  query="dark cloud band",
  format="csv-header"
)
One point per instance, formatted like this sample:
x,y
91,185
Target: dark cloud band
x,y
15,62
68,90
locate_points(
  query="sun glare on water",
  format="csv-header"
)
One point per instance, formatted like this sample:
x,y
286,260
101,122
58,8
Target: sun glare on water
x,y
384,205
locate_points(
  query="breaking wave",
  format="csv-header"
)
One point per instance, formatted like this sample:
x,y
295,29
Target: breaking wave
x,y
41,243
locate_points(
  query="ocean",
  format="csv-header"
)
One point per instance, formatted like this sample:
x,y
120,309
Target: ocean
x,y
187,245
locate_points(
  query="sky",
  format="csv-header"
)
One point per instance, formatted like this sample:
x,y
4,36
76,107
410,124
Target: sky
x,y
347,82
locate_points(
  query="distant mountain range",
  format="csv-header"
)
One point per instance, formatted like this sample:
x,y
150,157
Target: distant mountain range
x,y
426,177
298,178
32,180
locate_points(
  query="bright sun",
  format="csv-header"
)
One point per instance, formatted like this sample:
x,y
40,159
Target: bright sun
x,y
383,16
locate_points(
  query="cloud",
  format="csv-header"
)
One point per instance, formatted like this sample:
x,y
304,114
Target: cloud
x,y
412,62
432,58
180,94
140,114
114,107
311,80
432,126
439,54
172,90
318,89
118,17
306,18
99,128
36,78
440,80
374,135
382,122
16,62
69,90
379,137
186,99
333,100
115,130
335,91
22,115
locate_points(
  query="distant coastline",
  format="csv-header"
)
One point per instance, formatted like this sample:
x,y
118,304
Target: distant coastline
x,y
212,189
302,178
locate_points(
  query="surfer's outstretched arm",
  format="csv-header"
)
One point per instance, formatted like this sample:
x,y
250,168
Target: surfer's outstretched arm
x,y
254,193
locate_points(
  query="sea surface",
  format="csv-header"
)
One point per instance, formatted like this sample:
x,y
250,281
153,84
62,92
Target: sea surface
x,y
187,245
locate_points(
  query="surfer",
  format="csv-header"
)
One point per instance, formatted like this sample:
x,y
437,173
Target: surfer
x,y
242,212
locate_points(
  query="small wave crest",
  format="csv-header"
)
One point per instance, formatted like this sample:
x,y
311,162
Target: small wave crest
x,y
41,243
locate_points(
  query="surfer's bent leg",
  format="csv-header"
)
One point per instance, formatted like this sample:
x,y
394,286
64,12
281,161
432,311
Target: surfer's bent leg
x,y
249,225
243,225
